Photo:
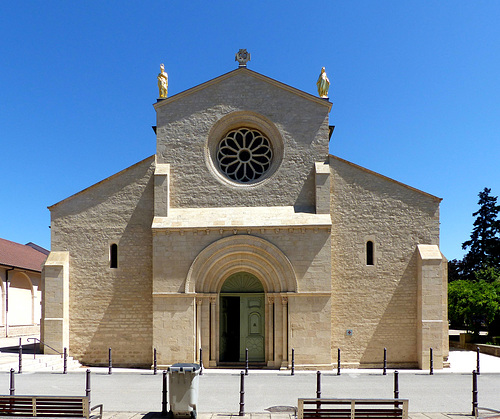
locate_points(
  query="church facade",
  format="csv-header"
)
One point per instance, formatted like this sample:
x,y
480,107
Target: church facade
x,y
243,233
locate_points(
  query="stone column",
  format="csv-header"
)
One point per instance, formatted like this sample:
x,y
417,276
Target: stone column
x,y
213,334
199,302
270,331
284,304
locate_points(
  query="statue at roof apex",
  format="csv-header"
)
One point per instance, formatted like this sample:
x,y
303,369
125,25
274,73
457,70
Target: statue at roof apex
x,y
323,84
163,82
242,56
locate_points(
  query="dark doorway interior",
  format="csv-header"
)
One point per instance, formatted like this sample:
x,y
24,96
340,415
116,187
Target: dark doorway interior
x,y
230,329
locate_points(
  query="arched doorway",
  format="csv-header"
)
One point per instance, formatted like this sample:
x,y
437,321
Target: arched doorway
x,y
242,319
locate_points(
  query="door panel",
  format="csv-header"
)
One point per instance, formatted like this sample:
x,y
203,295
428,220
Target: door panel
x,y
252,327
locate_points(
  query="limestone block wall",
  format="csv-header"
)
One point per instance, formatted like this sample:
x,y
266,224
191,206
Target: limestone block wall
x,y
378,303
310,331
309,311
109,307
184,126
174,334
307,250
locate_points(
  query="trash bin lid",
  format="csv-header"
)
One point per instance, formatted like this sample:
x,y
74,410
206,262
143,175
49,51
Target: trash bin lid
x,y
184,367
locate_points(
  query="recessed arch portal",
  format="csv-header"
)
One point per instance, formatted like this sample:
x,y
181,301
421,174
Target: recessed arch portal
x,y
241,253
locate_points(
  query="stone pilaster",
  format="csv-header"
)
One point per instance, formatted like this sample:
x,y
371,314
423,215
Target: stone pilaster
x,y
55,300
430,296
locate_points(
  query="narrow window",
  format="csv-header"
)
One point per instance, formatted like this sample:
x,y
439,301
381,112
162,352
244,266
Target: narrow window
x,y
369,253
113,256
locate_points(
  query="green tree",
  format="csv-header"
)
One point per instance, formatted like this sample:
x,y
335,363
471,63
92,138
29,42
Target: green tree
x,y
484,243
471,304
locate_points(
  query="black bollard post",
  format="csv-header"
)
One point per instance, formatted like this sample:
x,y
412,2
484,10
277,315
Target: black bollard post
x,y
474,393
242,394
293,362
12,385
65,360
396,387
110,362
396,384
20,357
385,362
155,364
338,361
246,361
477,361
201,361
431,362
318,388
164,395
87,385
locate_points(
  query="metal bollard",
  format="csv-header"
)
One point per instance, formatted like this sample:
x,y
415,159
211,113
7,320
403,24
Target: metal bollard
x,y
155,365
474,392
242,394
201,361
87,385
110,362
396,384
293,362
318,388
477,361
396,387
246,361
385,362
20,357
12,385
164,395
65,360
431,362
338,362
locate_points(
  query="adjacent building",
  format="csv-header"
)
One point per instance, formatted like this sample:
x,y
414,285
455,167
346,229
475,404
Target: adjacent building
x,y
20,277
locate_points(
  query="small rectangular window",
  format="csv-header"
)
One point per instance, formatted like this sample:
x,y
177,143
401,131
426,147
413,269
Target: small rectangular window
x,y
113,256
369,253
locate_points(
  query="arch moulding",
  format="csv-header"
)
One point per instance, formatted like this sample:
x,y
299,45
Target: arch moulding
x,y
242,253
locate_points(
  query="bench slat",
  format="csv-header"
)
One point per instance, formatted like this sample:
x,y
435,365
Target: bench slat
x,y
45,406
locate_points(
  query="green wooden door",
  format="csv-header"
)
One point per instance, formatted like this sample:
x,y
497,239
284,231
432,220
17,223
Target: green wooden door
x,y
242,319
252,327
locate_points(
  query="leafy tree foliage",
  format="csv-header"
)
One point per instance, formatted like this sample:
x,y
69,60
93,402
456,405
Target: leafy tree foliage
x,y
474,281
484,243
472,304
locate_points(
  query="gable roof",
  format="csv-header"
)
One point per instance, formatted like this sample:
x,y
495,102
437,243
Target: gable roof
x,y
364,169
25,256
246,71
102,181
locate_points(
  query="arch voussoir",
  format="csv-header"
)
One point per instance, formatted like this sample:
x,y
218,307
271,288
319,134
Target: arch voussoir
x,y
247,253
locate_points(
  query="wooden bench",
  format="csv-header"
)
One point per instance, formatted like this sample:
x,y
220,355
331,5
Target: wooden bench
x,y
352,408
49,406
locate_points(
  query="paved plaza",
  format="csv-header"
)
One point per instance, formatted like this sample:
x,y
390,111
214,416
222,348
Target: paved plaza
x,y
131,393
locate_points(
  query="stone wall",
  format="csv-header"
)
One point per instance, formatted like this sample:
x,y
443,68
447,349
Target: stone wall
x,y
109,307
377,303
184,126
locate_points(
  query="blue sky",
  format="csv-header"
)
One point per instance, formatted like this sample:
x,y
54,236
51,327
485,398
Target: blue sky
x,y
415,87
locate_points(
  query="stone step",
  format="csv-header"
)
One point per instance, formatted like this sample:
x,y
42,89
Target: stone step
x,y
40,363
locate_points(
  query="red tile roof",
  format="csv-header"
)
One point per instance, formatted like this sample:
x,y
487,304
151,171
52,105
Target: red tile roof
x,y
26,256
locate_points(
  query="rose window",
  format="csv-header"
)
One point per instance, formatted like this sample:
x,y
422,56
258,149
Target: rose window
x,y
244,155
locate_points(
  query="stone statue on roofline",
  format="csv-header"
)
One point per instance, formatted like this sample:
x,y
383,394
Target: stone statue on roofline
x,y
323,84
163,82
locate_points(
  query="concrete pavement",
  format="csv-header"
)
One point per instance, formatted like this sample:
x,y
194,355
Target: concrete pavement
x,y
129,393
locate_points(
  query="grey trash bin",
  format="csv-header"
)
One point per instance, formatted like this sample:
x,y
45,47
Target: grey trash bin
x,y
183,382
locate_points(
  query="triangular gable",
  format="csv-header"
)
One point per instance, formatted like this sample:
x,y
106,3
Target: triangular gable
x,y
385,177
246,71
101,182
